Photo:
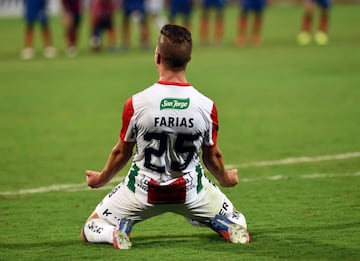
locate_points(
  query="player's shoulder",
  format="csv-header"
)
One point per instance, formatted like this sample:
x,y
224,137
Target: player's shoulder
x,y
145,95
203,96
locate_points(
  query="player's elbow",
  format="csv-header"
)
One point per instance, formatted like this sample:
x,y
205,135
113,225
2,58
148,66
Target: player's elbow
x,y
121,154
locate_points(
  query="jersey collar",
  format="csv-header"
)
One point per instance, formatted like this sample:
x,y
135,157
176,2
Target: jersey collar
x,y
174,83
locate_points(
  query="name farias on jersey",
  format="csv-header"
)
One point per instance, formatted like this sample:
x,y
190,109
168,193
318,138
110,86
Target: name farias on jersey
x,y
175,104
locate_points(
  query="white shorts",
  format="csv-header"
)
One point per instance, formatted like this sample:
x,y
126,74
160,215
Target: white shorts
x,y
193,196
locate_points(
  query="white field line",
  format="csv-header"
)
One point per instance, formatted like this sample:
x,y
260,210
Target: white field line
x,y
56,187
304,176
305,159
287,161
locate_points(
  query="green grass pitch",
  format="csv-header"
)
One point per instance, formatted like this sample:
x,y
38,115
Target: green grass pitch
x,y
276,102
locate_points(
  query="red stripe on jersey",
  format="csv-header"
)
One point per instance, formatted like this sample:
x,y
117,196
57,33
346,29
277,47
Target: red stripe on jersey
x,y
127,114
174,83
215,124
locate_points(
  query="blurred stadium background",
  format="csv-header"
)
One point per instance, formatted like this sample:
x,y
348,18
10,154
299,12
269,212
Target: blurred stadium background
x,y
14,7
289,121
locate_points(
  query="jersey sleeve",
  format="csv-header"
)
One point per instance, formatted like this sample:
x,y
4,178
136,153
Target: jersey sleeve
x,y
211,140
127,133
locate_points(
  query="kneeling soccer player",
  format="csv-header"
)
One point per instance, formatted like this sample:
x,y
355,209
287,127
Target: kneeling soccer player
x,y
170,123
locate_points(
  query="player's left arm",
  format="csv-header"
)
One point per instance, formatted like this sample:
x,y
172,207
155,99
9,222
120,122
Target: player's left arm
x,y
119,156
213,160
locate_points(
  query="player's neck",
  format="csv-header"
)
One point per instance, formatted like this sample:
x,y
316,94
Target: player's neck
x,y
169,76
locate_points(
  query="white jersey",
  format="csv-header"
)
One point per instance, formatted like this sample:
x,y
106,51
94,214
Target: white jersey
x,y
169,122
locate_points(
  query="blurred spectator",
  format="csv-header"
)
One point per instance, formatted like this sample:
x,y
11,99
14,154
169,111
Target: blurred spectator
x,y
218,6
135,9
257,8
181,8
72,16
321,36
102,19
155,8
36,11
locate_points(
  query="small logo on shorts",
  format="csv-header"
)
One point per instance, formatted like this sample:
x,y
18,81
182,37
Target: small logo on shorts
x,y
174,103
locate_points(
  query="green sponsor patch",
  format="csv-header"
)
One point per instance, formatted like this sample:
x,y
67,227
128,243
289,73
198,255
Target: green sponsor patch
x,y
174,103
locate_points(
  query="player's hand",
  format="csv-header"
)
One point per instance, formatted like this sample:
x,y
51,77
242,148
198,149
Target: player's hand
x,y
93,179
231,179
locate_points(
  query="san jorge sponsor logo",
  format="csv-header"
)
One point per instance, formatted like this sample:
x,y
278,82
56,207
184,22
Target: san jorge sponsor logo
x,y
174,103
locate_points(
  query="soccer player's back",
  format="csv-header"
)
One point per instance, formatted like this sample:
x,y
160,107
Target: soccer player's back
x,y
172,125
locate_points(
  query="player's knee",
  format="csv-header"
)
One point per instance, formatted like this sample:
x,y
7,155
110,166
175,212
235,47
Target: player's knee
x,y
90,227
82,235
87,226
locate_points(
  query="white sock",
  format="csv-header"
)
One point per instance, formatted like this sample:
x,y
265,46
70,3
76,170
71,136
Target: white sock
x,y
98,231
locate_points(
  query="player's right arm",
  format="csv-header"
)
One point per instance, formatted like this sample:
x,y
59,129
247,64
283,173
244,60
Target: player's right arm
x,y
213,160
119,156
